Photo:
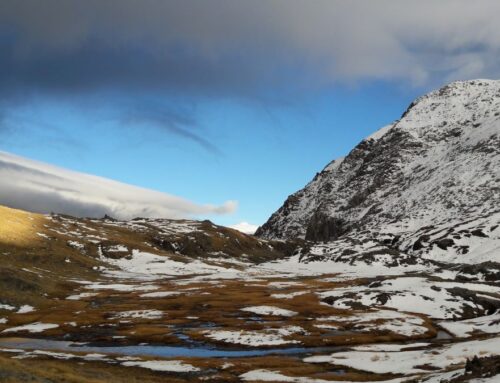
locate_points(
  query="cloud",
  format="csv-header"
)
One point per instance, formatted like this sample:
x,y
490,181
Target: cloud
x,y
241,48
181,124
263,52
43,188
245,227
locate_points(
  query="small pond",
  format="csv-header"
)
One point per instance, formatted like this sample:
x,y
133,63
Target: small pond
x,y
154,350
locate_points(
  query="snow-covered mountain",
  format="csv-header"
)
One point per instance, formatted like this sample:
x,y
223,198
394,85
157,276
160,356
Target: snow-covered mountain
x,y
427,184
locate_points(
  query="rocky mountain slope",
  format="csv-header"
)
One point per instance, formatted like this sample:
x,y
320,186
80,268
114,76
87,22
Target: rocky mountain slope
x,y
427,184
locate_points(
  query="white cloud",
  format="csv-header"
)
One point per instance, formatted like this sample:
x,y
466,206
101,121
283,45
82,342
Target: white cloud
x,y
39,187
245,227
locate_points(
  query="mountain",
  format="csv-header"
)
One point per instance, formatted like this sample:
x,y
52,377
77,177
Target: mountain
x,y
427,184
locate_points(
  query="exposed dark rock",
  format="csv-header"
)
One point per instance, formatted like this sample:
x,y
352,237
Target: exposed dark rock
x,y
479,367
444,243
478,233
490,271
324,228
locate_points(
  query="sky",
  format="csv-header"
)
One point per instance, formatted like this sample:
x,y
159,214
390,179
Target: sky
x,y
222,107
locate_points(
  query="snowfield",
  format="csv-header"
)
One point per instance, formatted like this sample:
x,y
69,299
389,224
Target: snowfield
x,y
409,362
410,294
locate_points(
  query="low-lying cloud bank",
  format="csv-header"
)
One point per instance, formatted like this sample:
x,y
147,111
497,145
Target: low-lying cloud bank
x,y
43,188
245,227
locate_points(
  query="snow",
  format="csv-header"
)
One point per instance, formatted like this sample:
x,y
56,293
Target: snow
x,y
273,376
407,362
381,320
57,355
120,287
270,337
96,356
293,267
32,327
12,350
379,133
488,324
165,226
492,379
117,248
52,354
386,347
147,265
25,309
438,167
76,245
410,294
162,365
444,377
269,310
142,314
77,297
263,375
289,295
284,284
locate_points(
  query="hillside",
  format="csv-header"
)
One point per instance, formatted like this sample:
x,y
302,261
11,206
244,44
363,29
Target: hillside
x,y
102,300
430,181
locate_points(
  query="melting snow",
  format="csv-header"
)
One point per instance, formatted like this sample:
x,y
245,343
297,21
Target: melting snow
x,y
163,365
269,310
33,327
77,297
25,309
144,314
272,337
407,362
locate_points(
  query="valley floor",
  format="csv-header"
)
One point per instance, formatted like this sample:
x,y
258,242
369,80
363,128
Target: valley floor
x,y
106,306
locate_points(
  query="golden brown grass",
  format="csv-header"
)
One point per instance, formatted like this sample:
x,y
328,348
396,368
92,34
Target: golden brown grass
x,y
18,228
37,270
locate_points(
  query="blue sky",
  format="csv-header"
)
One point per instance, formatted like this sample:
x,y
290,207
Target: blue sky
x,y
263,152
215,101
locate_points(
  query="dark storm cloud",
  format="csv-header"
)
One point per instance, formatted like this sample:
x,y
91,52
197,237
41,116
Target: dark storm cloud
x,y
263,50
236,46
188,47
